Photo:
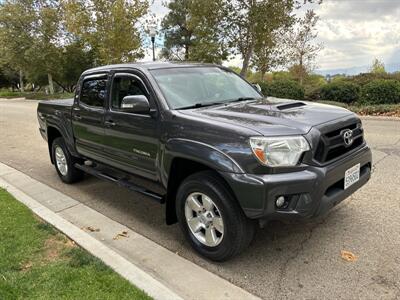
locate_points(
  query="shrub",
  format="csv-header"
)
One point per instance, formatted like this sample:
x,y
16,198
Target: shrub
x,y
283,89
381,91
312,93
340,91
312,86
364,78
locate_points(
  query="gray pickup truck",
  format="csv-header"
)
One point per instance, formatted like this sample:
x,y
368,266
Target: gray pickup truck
x,y
206,143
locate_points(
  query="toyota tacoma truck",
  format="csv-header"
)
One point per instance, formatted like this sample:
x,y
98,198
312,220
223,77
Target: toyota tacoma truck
x,y
200,139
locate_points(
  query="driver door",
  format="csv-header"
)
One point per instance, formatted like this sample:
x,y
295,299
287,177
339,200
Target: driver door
x,y
131,140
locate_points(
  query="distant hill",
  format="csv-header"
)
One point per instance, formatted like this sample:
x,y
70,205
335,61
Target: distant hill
x,y
390,68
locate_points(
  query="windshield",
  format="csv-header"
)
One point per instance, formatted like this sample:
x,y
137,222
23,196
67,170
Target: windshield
x,y
198,86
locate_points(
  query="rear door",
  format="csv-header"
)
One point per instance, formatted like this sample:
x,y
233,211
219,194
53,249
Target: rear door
x,y
131,140
88,115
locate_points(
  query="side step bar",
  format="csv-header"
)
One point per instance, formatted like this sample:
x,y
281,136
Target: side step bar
x,y
121,182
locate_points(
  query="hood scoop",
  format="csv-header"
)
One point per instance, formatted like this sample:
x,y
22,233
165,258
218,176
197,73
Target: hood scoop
x,y
290,105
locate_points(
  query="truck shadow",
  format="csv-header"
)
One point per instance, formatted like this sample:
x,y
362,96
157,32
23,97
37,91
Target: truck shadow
x,y
272,245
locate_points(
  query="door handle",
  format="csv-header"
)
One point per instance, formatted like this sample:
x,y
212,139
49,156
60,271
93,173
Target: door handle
x,y
77,117
109,123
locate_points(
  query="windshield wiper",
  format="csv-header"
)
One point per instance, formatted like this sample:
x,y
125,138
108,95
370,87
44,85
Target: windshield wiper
x,y
240,99
197,105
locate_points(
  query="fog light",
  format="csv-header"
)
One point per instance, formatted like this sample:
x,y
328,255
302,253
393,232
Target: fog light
x,y
280,201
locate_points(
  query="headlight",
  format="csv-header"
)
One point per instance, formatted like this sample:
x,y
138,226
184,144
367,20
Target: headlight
x,y
279,151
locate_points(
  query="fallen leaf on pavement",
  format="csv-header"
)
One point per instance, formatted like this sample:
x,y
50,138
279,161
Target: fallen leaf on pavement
x,y
123,234
348,256
92,229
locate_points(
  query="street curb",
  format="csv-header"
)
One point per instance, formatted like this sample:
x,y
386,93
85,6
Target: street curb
x,y
380,118
122,266
159,272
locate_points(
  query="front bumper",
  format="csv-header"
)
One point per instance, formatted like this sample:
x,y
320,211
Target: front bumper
x,y
310,192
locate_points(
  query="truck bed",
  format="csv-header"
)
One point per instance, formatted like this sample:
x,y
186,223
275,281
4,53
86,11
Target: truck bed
x,y
48,108
56,103
57,114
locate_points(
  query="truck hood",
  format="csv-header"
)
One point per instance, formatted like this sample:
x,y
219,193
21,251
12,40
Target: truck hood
x,y
272,116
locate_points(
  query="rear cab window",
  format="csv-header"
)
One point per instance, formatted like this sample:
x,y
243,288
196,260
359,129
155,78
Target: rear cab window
x,y
93,92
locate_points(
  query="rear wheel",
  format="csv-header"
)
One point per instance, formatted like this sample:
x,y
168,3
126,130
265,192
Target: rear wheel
x,y
64,162
211,218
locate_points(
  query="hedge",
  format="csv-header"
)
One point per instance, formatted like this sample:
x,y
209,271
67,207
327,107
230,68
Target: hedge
x,y
288,89
340,91
381,91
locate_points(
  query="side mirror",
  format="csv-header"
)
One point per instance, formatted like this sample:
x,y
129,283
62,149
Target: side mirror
x,y
136,104
257,87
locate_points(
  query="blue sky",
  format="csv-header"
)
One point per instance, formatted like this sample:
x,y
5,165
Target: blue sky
x,y
353,32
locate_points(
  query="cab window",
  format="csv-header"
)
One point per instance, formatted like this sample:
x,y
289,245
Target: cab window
x,y
125,86
93,92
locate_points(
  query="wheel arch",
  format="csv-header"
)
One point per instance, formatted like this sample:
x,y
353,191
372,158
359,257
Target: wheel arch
x,y
52,134
181,168
54,131
183,157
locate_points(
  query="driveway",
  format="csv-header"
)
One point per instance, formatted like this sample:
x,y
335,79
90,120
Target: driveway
x,y
292,261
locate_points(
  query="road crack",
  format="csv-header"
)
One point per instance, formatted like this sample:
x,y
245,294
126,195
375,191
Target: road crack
x,y
374,166
296,253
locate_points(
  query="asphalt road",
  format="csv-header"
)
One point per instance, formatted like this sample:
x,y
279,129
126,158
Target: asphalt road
x,y
292,261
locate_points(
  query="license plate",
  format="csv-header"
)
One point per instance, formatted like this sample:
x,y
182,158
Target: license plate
x,y
351,176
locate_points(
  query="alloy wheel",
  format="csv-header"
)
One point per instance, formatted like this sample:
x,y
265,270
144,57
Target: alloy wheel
x,y
204,219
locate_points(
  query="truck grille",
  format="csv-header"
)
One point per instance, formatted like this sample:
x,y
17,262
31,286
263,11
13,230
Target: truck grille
x,y
332,144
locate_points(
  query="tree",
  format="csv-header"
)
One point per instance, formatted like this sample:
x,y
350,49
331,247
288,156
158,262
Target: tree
x,y
206,24
29,34
74,60
302,49
193,31
250,22
44,54
240,28
377,67
8,77
267,46
52,41
109,28
16,19
177,34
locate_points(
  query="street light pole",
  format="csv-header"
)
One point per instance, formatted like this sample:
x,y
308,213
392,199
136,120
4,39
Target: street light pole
x,y
153,39
153,32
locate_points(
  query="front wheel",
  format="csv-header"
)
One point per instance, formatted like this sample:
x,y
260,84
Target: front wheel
x,y
211,218
64,162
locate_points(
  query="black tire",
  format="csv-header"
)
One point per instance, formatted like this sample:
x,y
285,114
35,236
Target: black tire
x,y
73,174
238,229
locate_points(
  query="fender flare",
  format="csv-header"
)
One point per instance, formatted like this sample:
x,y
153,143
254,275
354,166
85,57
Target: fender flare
x,y
68,138
195,151
199,152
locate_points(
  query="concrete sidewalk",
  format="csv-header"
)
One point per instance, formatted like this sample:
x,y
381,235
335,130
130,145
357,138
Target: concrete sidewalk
x,y
159,272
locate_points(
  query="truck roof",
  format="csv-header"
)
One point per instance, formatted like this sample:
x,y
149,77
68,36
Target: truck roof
x,y
148,66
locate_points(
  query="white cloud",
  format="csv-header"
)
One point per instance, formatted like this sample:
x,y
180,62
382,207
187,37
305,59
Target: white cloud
x,y
354,32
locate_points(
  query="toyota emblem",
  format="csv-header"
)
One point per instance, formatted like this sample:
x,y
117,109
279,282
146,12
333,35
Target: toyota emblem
x,y
347,137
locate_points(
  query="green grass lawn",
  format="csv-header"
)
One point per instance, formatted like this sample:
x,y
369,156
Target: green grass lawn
x,y
38,262
34,96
